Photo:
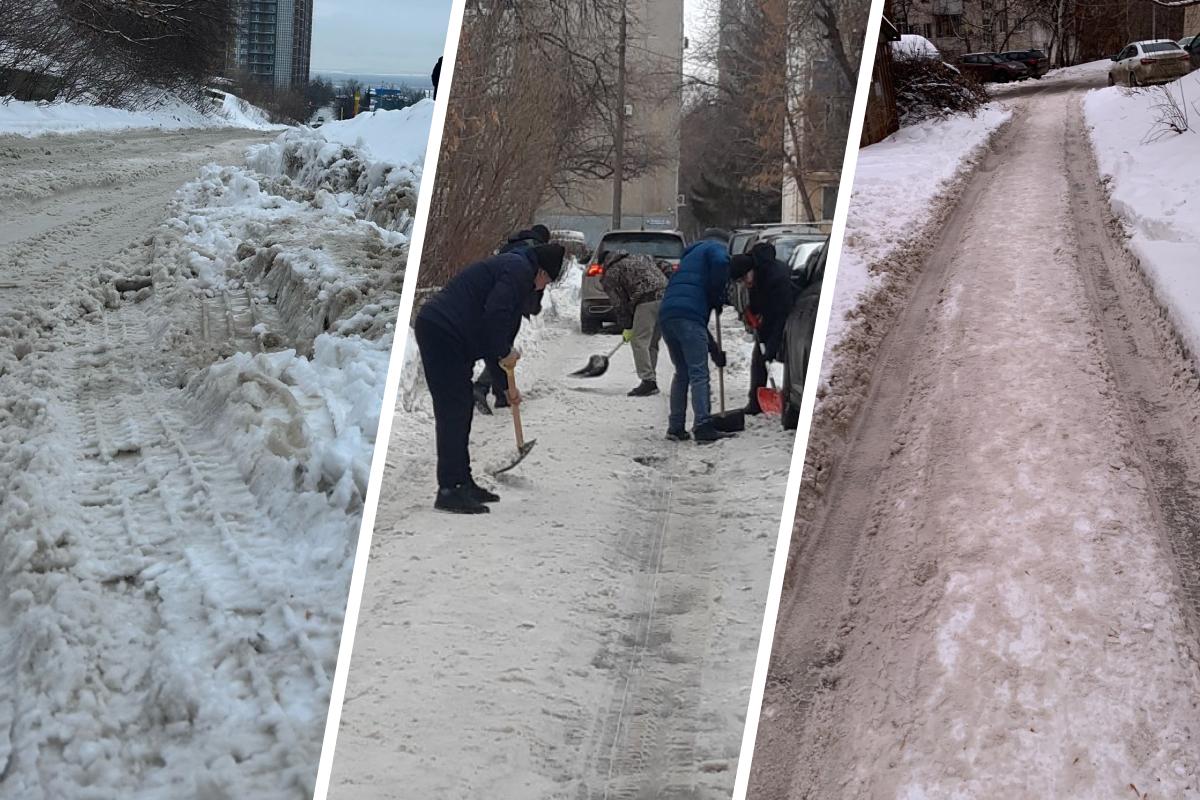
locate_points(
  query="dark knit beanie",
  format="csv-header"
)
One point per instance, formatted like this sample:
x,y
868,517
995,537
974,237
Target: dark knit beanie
x,y
717,234
739,265
541,233
550,259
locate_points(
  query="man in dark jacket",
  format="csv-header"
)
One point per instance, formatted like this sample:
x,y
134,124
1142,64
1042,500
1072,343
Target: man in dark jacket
x,y
492,377
693,293
635,285
771,296
476,315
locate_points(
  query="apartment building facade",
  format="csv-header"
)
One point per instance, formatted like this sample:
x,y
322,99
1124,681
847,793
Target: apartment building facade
x,y
654,104
273,41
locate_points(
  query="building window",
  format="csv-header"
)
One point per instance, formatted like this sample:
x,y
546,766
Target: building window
x,y
828,201
945,25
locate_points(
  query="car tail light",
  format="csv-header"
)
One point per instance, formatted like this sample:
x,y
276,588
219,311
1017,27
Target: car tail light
x,y
1149,60
595,271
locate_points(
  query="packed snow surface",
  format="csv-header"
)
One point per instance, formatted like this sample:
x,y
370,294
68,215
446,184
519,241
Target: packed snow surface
x,y
186,425
896,185
595,634
1154,187
26,118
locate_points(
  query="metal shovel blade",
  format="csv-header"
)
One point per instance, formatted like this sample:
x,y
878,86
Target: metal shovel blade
x,y
521,453
770,400
596,366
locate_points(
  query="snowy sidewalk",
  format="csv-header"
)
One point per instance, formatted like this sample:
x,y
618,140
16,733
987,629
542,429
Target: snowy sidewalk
x,y
594,634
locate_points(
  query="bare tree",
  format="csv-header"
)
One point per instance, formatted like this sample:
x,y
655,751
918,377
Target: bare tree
x,y
531,109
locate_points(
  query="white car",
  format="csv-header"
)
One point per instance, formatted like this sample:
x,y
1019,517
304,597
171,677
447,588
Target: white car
x,y
1149,62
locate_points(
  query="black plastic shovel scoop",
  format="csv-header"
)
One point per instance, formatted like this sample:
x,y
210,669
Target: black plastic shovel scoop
x,y
597,365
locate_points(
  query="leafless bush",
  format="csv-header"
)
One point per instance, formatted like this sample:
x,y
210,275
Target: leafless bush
x,y
111,51
1170,114
531,108
927,88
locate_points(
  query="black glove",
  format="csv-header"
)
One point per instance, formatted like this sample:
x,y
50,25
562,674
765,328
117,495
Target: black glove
x,y
718,358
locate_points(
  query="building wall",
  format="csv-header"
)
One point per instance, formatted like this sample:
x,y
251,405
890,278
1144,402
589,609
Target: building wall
x,y
655,27
970,26
273,41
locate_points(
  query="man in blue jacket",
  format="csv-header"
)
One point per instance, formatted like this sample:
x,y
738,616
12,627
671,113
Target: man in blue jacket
x,y
475,316
696,289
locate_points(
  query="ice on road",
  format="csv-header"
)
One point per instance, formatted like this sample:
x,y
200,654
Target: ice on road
x,y
595,634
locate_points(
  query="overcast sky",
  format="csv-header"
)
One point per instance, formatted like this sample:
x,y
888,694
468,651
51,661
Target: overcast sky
x,y
378,36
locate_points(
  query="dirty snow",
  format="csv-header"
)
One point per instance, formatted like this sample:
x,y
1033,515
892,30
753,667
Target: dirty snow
x,y
186,426
1154,188
27,118
595,634
896,185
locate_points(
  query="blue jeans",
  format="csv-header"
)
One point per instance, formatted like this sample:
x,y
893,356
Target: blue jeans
x,y
687,343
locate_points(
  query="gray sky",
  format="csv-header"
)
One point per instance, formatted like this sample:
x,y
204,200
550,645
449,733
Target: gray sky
x,y
378,36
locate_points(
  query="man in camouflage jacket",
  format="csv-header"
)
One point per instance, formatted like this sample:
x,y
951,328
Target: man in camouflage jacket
x,y
635,284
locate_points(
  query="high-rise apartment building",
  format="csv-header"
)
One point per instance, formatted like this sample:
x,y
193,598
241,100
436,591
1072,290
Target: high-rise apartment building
x,y
273,42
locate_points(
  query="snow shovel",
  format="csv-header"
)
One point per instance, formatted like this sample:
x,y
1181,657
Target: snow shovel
x,y
727,421
523,447
770,400
597,365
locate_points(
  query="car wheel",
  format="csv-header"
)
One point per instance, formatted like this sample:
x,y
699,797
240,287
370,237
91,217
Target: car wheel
x,y
1133,81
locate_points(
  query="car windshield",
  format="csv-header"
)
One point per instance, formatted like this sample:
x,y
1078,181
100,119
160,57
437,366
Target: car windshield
x,y
738,242
1159,47
656,245
786,245
802,252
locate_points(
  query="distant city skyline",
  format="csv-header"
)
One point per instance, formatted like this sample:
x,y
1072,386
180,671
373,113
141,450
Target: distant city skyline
x,y
378,37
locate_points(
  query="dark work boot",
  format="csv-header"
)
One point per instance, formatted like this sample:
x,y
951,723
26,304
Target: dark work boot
x,y
644,389
752,410
501,401
709,433
679,436
459,501
481,494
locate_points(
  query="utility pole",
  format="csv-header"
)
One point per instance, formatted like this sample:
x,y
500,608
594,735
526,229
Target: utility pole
x,y
619,136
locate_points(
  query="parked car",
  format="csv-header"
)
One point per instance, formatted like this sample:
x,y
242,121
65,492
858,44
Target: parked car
x,y
595,308
991,68
1191,45
1149,62
1034,60
798,333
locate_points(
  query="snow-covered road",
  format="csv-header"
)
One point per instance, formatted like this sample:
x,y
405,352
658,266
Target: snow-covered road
x,y
592,637
190,382
994,600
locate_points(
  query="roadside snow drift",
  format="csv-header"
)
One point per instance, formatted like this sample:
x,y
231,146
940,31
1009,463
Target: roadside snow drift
x,y
1154,188
185,436
27,118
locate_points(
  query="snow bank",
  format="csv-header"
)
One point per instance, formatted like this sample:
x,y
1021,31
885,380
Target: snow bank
x,y
27,118
1154,189
896,185
369,165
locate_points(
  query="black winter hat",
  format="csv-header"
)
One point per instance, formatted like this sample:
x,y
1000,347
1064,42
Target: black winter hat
x,y
716,233
550,259
763,253
541,233
739,265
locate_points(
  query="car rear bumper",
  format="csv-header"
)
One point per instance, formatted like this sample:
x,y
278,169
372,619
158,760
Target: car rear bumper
x,y
601,310
1162,73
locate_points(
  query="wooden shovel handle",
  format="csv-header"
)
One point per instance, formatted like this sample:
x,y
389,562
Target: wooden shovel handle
x,y
720,370
516,407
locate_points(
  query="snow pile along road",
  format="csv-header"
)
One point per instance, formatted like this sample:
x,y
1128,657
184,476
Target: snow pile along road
x,y
185,435
595,634
165,113
1154,189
